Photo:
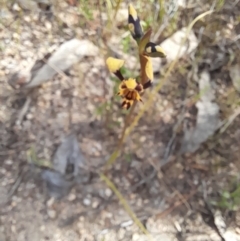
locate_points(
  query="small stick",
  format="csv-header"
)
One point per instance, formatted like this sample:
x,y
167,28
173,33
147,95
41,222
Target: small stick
x,y
24,110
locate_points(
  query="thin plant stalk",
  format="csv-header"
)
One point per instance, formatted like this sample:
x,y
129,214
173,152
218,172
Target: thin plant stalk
x,y
127,130
126,206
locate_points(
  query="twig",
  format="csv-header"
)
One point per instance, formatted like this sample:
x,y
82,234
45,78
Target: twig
x,y
117,8
170,145
24,110
60,72
181,197
164,180
160,30
9,25
177,204
16,184
210,212
145,180
230,120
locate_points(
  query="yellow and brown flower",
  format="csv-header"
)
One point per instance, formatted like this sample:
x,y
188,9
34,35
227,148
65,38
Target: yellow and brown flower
x,y
129,89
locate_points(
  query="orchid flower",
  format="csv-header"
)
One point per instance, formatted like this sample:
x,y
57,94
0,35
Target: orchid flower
x,y
130,89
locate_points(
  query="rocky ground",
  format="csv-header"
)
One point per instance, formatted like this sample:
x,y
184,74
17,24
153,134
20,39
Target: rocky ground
x,y
179,187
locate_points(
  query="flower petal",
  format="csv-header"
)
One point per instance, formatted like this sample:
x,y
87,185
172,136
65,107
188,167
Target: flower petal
x,y
146,69
153,50
147,84
114,65
126,104
144,40
130,83
134,23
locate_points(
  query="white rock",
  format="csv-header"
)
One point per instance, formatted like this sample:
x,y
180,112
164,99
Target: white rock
x,y
28,5
51,213
50,202
95,204
67,55
234,72
108,192
208,120
86,201
71,197
172,44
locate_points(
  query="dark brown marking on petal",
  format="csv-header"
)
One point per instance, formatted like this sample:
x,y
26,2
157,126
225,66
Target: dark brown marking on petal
x,y
128,105
124,103
129,95
152,46
119,75
139,88
137,29
134,95
123,86
147,85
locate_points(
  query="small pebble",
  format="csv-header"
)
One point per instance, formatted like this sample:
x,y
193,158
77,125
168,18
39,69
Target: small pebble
x,y
16,36
71,197
42,228
29,116
143,138
50,202
27,19
13,228
9,162
95,204
48,25
121,233
86,201
16,7
108,192
135,237
51,213
13,204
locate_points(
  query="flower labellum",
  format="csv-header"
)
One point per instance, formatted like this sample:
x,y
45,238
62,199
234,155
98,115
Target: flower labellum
x,y
130,91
